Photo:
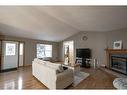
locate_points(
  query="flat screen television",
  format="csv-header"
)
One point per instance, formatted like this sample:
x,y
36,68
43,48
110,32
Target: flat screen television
x,y
83,53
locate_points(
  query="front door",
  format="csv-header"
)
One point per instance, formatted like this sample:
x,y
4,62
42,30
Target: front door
x,y
9,55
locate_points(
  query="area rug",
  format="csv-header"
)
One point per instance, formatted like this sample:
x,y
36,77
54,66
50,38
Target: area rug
x,y
79,76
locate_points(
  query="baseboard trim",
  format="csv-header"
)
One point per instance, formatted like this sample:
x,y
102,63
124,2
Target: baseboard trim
x,y
27,65
6,70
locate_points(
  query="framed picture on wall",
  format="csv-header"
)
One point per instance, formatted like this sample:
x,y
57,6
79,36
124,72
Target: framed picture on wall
x,y
117,45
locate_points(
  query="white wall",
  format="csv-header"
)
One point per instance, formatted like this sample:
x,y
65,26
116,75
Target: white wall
x,y
96,42
116,35
30,47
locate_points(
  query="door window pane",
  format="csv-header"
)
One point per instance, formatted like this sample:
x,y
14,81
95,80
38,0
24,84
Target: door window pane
x,y
10,49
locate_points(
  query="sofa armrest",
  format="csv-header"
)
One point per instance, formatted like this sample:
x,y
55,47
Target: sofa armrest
x,y
65,74
64,79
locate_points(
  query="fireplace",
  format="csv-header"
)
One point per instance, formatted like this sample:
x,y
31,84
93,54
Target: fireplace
x,y
119,63
116,60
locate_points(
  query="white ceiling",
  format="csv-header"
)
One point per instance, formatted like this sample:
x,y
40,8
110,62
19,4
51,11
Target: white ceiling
x,y
57,23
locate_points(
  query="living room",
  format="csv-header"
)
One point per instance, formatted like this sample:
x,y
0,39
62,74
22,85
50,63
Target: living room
x,y
47,33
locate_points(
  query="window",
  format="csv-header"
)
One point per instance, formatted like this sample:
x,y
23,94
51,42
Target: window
x,y
21,49
44,50
10,49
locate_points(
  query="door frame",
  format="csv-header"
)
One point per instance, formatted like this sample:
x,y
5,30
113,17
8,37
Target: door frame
x,y
65,43
0,54
18,51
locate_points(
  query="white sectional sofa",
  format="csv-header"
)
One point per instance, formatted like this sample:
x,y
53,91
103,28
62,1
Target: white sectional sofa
x,y
52,75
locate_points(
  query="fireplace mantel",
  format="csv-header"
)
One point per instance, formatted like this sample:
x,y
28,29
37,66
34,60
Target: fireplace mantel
x,y
113,51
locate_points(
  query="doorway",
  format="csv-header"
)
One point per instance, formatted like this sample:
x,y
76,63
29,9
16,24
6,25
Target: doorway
x,y
68,52
21,54
9,59
11,55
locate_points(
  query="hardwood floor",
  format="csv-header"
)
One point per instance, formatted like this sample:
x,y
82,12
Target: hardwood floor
x,y
98,79
23,79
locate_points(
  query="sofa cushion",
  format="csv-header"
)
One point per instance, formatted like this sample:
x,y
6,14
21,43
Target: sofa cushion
x,y
39,61
46,59
57,67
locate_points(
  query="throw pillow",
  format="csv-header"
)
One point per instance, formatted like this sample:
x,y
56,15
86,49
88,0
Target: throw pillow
x,y
60,69
65,68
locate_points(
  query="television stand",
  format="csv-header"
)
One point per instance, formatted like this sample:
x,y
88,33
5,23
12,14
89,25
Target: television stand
x,y
83,62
